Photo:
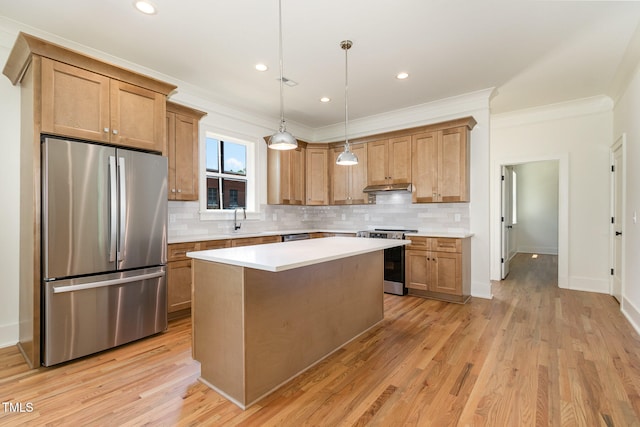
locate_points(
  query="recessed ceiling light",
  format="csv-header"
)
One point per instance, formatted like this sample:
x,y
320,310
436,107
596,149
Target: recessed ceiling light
x,y
402,76
261,67
145,7
325,99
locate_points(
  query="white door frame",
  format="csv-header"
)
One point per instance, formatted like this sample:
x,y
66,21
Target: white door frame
x,y
563,213
619,144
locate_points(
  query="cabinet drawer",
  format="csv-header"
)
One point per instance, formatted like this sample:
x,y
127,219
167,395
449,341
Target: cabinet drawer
x,y
178,251
443,244
215,244
418,243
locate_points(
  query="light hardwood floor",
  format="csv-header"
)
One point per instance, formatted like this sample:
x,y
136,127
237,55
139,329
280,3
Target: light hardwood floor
x,y
534,355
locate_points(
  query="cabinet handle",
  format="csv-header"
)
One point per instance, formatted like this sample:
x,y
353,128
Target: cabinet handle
x,y
173,190
179,191
106,129
115,131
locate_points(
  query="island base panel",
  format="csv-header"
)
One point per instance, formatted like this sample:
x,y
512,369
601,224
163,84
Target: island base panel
x,y
288,321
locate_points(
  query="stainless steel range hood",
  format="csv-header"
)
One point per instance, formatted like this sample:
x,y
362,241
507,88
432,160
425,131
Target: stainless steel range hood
x,y
388,187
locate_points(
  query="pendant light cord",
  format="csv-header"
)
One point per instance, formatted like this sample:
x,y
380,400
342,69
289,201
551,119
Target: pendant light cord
x,y
346,96
282,126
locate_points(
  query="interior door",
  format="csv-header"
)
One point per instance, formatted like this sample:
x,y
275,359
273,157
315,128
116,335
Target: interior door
x,y
617,173
506,218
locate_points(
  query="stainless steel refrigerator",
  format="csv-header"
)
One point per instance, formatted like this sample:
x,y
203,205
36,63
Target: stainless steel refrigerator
x,y
104,231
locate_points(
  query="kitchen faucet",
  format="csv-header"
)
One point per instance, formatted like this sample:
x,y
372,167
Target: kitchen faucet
x,y
237,226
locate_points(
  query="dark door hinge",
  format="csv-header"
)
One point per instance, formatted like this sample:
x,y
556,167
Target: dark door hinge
x,y
612,271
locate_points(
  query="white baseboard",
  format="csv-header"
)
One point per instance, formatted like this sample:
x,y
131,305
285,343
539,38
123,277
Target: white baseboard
x,y
542,250
589,284
481,290
8,335
631,313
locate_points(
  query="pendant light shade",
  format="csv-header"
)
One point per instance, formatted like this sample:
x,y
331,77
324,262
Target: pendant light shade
x,y
281,140
346,158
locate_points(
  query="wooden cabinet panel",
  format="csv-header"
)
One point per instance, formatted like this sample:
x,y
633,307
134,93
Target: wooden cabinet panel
x,y
248,241
179,285
182,145
178,251
446,273
286,177
439,268
215,244
75,102
440,166
137,117
347,182
86,105
417,270
399,161
424,170
453,173
317,176
389,161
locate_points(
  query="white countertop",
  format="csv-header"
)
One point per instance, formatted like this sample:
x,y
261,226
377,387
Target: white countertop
x,y
451,235
288,255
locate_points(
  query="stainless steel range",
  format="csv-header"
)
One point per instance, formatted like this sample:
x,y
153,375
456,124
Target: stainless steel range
x,y
393,259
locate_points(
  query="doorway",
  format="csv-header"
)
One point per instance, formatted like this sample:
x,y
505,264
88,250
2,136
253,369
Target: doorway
x,y
617,217
562,161
530,210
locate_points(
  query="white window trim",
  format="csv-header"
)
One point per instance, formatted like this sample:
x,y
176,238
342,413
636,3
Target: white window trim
x,y
253,205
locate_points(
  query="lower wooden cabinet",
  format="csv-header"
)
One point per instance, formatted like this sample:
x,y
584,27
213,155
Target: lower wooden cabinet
x,y
179,268
439,268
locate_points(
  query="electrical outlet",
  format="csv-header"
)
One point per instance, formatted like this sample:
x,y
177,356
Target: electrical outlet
x,y
344,217
456,217
366,217
275,217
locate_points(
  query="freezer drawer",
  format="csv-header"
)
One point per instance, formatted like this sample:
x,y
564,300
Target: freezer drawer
x,y
91,314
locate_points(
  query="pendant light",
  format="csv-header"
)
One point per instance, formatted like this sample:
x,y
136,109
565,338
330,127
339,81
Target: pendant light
x,y
282,140
346,158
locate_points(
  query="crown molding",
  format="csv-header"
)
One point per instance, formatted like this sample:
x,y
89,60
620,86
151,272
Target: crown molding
x,y
414,116
545,113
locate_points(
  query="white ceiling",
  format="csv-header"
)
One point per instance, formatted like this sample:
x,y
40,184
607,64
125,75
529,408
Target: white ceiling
x,y
532,52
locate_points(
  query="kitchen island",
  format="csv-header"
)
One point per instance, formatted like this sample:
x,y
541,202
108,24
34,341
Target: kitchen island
x,y
263,314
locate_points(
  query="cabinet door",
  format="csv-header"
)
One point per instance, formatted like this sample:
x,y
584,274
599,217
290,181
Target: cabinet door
x,y
317,174
417,269
358,175
453,167
75,102
446,273
340,178
399,160
424,168
185,158
178,285
137,117
297,176
377,173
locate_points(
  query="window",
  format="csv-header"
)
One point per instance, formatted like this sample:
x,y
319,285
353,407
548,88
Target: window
x,y
226,174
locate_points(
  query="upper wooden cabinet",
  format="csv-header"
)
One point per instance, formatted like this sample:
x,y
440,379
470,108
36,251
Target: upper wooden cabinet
x,y
389,161
317,176
87,105
286,176
440,165
182,148
347,182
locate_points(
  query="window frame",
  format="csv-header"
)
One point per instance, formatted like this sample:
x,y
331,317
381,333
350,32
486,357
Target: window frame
x,y
252,202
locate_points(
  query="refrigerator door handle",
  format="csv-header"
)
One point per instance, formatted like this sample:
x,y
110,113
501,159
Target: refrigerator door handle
x,y
104,283
113,209
123,207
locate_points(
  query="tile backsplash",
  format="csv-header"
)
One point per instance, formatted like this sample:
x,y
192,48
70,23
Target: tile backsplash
x,y
392,209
